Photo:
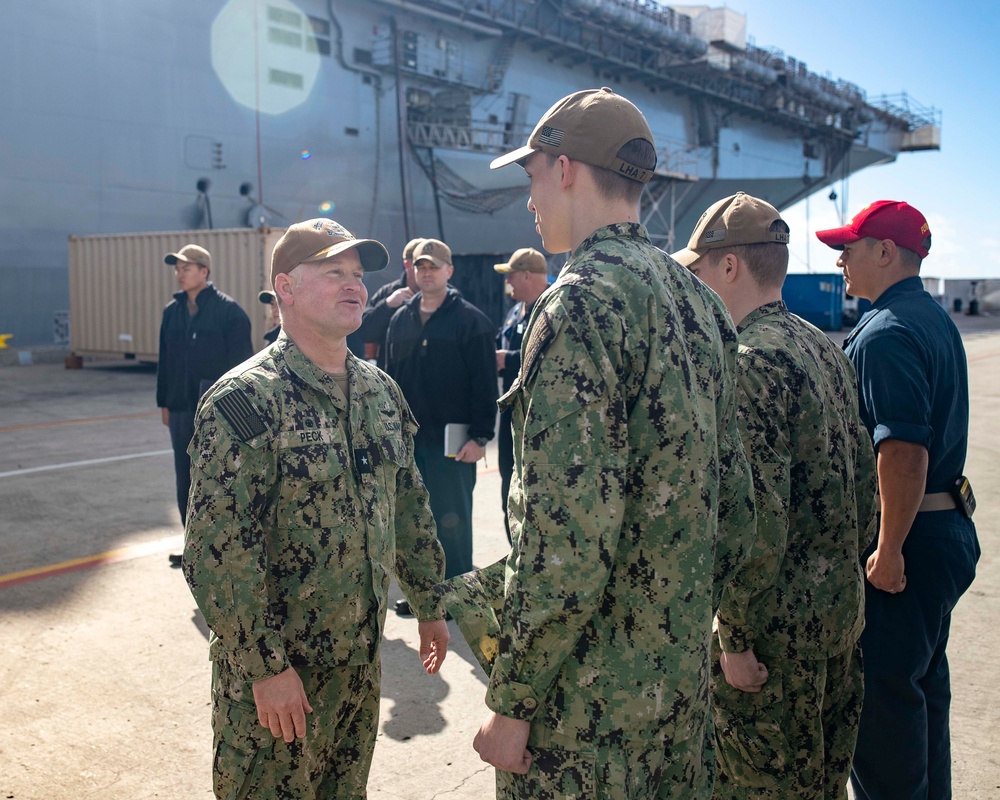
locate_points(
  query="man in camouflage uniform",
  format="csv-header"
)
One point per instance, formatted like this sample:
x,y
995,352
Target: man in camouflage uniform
x,y
627,466
305,500
786,670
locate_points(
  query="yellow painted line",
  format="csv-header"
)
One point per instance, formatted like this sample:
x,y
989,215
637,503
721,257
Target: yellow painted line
x,y
89,562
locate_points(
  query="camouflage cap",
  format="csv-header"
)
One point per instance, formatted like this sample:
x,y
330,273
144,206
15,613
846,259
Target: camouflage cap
x,y
527,259
734,220
191,254
434,250
318,239
589,126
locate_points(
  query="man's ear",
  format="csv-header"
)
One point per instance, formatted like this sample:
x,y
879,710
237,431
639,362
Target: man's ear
x,y
567,171
732,267
283,286
885,252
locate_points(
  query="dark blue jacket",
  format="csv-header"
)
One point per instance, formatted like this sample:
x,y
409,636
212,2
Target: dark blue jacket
x,y
196,351
509,338
446,368
375,321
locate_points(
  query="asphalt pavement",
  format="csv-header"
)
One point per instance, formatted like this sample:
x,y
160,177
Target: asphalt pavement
x,y
104,675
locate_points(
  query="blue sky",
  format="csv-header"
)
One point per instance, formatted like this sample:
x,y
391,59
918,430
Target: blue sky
x,y
945,55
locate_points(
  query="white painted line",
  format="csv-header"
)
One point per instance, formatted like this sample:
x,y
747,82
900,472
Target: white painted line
x,y
87,463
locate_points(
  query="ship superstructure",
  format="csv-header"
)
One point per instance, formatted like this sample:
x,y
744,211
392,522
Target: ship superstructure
x,y
135,115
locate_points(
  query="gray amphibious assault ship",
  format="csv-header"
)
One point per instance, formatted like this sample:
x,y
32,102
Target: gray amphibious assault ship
x,y
122,116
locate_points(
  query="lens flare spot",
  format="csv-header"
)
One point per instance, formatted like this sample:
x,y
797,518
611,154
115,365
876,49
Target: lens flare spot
x,y
326,207
306,155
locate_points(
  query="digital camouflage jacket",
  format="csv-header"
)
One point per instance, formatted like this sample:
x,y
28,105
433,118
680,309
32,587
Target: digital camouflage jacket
x,y
302,507
631,498
801,594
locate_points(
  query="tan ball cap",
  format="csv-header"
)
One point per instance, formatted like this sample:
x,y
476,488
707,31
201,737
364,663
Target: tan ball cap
x,y
589,126
410,247
433,250
527,259
734,220
192,254
318,239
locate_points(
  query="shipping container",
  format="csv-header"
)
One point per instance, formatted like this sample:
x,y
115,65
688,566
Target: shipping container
x,y
119,285
816,297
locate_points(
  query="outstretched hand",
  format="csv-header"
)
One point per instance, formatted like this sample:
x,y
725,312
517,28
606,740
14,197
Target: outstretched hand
x,y
434,638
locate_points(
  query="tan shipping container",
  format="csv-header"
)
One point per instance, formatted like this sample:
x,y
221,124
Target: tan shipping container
x,y
119,284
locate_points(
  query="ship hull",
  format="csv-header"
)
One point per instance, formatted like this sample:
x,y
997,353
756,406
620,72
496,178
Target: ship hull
x,y
128,115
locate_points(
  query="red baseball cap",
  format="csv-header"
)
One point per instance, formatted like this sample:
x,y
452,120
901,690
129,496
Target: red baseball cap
x,y
883,219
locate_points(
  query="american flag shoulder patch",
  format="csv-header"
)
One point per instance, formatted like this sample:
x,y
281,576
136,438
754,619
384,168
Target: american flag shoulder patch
x,y
236,408
551,136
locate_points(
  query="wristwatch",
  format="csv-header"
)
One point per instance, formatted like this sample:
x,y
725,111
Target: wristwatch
x,y
481,441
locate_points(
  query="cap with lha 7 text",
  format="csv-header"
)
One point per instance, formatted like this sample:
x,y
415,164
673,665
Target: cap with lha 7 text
x,y
883,219
192,254
735,220
527,259
590,126
319,239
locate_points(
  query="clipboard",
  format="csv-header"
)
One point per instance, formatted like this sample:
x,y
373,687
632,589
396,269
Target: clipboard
x,y
456,434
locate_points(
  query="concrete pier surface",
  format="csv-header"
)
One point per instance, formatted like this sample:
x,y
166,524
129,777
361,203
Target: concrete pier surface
x,y
104,672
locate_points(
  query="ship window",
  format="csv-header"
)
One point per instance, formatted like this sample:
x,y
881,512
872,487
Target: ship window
x,y
283,16
320,27
319,41
321,46
282,78
288,38
291,29
362,56
352,132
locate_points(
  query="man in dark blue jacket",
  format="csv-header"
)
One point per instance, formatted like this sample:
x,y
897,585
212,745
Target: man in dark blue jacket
x,y
441,353
526,273
204,333
384,303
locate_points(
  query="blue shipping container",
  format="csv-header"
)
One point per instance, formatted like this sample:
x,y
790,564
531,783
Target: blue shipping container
x,y
816,297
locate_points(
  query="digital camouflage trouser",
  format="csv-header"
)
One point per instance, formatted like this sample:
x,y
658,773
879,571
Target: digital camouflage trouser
x,y
644,768
333,759
794,738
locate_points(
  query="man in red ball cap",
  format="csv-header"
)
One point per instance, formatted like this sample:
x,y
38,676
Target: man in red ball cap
x,y
914,400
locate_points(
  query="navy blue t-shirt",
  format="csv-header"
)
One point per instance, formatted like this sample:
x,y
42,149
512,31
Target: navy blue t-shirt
x,y
912,378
